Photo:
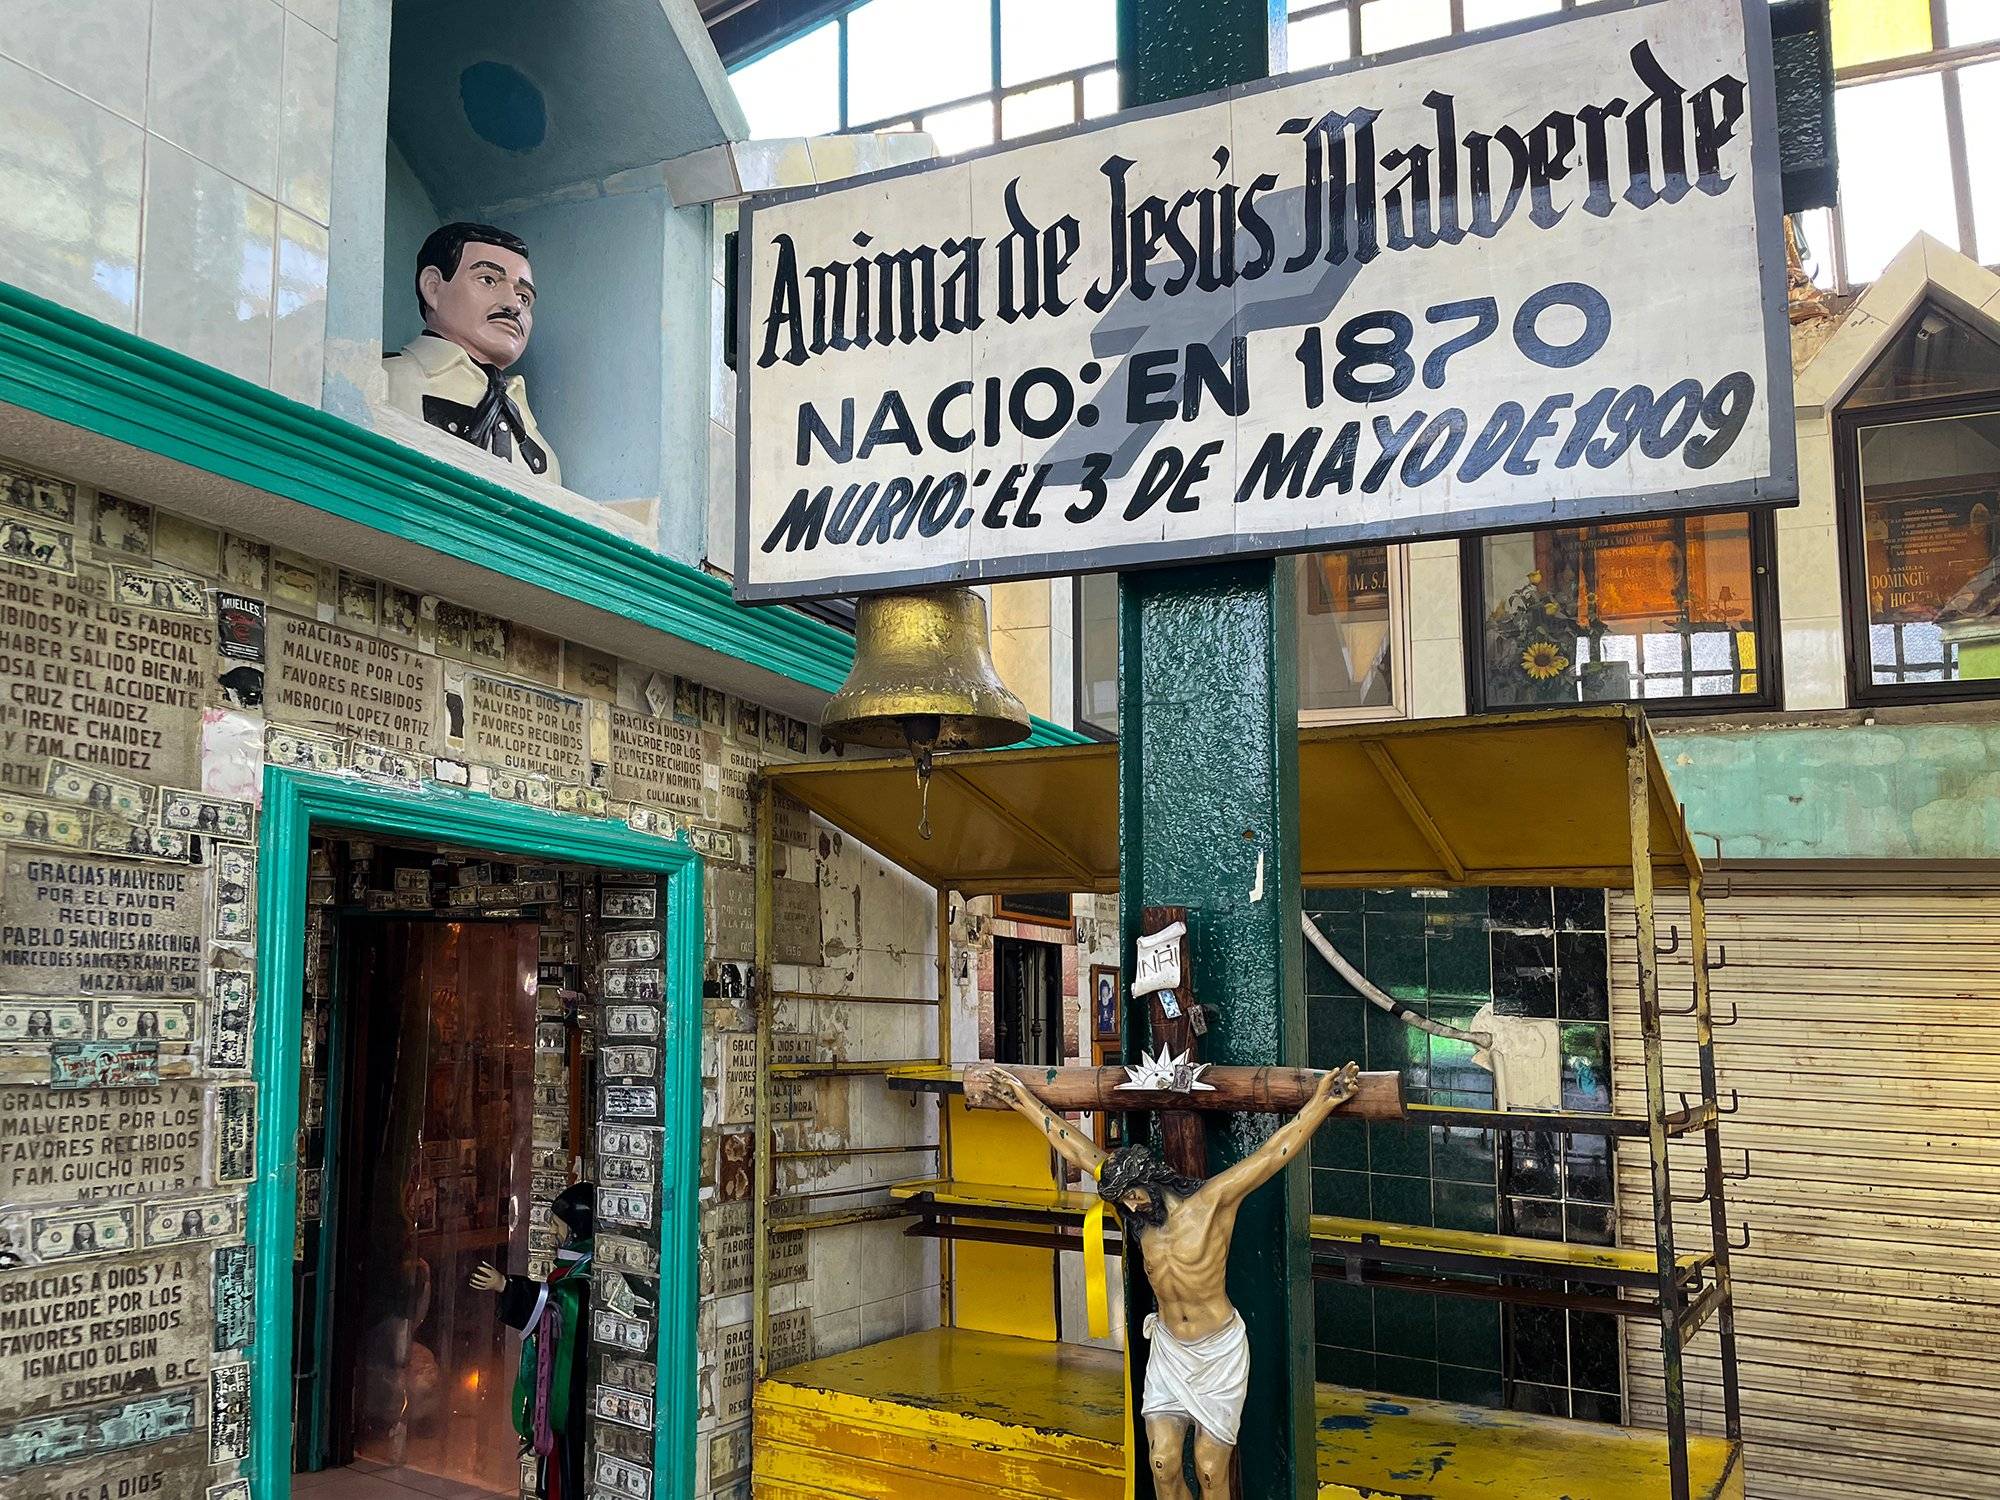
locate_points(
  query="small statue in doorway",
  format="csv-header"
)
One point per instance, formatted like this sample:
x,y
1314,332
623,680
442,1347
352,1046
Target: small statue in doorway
x,y
1198,1366
554,1314
478,302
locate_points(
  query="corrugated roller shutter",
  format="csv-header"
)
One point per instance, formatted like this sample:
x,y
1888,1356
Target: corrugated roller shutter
x,y
1867,1056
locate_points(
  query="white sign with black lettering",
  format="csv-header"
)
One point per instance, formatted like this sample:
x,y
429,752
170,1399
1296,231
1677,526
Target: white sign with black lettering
x,y
1534,277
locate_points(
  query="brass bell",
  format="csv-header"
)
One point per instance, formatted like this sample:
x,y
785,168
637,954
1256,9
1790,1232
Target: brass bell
x,y
923,680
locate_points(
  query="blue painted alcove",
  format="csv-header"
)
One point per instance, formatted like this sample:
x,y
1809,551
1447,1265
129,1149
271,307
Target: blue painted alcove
x,y
551,120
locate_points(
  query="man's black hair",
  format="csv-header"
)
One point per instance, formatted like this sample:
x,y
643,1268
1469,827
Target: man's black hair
x,y
445,248
1141,1167
576,1206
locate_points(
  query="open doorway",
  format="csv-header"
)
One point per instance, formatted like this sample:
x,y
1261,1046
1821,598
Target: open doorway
x,y
1027,1001
448,1095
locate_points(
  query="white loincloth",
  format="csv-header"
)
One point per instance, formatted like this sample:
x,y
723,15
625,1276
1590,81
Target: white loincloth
x,y
1204,1381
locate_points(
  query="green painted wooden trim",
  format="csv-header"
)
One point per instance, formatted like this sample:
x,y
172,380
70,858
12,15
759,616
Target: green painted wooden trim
x,y
75,369
294,805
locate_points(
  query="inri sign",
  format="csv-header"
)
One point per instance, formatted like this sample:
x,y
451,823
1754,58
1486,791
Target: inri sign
x,y
1536,276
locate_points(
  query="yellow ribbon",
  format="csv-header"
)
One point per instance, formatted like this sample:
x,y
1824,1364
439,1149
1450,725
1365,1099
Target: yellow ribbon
x,y
1096,1276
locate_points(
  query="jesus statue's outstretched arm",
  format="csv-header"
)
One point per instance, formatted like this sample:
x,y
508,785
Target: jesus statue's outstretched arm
x,y
1076,1148
1231,1187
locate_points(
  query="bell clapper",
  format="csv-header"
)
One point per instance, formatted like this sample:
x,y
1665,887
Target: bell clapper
x,y
923,681
922,755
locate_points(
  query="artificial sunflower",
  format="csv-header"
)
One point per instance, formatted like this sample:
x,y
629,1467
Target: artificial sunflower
x,y
1544,660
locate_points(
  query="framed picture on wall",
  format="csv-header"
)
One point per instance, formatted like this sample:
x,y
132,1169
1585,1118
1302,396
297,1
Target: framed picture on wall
x,y
1039,907
1106,1015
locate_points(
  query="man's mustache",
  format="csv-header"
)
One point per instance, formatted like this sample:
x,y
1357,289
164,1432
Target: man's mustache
x,y
504,315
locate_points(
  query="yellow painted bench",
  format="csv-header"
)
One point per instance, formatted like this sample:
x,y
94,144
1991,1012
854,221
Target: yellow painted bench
x,y
958,1415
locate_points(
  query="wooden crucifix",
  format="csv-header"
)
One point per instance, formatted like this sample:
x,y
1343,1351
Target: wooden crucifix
x,y
1198,1367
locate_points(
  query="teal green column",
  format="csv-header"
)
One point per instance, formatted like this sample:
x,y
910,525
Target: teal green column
x,y
1208,780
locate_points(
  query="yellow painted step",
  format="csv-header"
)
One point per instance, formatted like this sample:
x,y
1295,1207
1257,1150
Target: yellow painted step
x,y
946,1413
1395,1448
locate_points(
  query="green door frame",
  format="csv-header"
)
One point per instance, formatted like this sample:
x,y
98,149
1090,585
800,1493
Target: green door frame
x,y
296,805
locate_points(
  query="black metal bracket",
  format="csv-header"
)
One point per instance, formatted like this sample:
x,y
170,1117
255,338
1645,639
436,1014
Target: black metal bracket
x,y
1689,1103
1673,942
1736,1244
1744,1175
1721,959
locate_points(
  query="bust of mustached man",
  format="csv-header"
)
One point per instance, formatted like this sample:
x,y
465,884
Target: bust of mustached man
x,y
477,293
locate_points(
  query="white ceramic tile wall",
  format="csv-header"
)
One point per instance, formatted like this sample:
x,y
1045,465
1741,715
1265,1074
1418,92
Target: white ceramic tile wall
x,y
305,136
95,47
151,146
213,84
70,187
209,251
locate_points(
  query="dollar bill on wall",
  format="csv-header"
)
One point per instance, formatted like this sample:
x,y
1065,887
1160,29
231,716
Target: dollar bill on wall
x,y
631,903
233,1296
42,497
217,1218
641,1021
54,824
111,834
635,984
63,1437
104,1065
44,1020
73,1234
631,1102
97,790
160,592
228,1414
626,1408
212,817
36,546
234,892
625,1205
142,1020
304,749
231,1012
639,946
616,1331
235,1126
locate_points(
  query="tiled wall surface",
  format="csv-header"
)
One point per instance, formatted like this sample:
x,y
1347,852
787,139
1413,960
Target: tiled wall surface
x,y
167,706
1531,952
168,170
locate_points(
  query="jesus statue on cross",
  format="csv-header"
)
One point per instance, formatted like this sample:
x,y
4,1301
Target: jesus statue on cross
x,y
1198,1370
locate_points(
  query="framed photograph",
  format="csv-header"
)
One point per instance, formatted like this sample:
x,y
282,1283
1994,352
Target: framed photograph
x,y
1042,909
1106,1014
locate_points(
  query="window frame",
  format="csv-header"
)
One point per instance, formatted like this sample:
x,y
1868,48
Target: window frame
x,y
1398,706
994,95
1947,61
1764,615
1848,425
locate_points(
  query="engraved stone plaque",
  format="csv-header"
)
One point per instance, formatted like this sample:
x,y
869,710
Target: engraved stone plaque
x,y
327,678
77,925
656,762
116,690
96,1330
731,892
795,923
70,1147
526,729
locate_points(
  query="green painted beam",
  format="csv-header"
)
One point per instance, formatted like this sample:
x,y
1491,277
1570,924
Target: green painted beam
x,y
75,369
295,805
1208,781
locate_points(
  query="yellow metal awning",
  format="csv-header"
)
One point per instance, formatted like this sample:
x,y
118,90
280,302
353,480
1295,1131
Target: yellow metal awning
x,y
1503,799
